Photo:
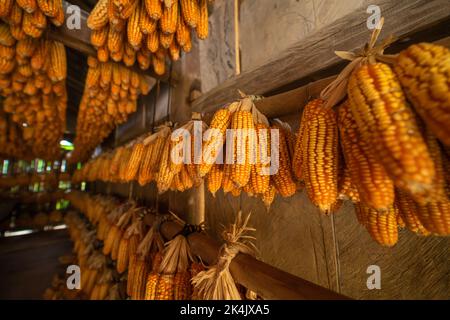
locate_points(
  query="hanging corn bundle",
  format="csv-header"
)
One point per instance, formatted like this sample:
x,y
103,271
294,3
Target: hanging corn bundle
x,y
170,278
146,31
147,254
216,283
110,95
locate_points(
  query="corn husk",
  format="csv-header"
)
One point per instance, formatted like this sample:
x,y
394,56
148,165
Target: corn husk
x,y
217,283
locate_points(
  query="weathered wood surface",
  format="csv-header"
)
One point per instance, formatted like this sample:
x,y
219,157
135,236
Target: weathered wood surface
x,y
217,52
316,51
415,268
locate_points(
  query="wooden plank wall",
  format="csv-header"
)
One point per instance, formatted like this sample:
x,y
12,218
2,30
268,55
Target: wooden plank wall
x,y
332,251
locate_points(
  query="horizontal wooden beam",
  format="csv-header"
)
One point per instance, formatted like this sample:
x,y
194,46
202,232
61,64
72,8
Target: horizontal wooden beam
x,y
79,39
316,51
268,282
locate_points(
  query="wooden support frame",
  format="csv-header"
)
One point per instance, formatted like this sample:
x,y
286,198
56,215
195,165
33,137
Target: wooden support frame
x,y
268,282
314,53
79,39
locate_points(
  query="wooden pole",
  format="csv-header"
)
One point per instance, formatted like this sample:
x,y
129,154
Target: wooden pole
x,y
268,282
237,52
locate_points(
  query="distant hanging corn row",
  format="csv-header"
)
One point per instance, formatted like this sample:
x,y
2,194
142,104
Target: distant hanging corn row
x,y
110,95
146,31
152,270
32,73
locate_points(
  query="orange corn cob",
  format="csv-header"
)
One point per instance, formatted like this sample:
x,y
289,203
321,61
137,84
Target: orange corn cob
x,y
423,71
242,122
382,227
375,187
388,126
407,211
320,155
215,178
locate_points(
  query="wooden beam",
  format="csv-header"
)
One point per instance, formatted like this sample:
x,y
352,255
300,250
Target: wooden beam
x,y
79,39
316,51
268,282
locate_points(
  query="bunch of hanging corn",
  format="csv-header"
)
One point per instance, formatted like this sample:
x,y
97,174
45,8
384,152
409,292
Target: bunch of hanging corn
x,y
32,81
109,96
147,253
146,31
170,277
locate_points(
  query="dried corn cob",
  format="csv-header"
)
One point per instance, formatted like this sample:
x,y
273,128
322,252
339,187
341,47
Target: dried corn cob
x,y
135,161
227,182
134,30
140,280
28,5
191,12
154,8
109,241
159,65
99,36
49,7
153,41
58,61
166,286
131,272
202,25
298,148
407,210
165,175
182,286
435,216
382,227
320,155
423,70
146,23
439,192
98,18
214,140
242,124
269,196
260,176
123,254
375,187
215,178
152,284
283,178
387,124
347,188
39,20
183,31
169,19
5,8
58,19
127,8
6,38
165,39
